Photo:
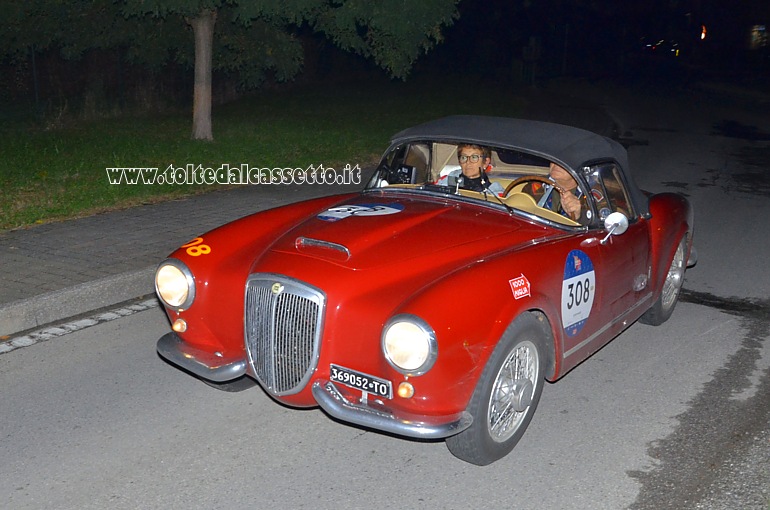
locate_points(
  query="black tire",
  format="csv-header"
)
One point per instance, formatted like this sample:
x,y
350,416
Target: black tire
x,y
236,385
661,310
506,395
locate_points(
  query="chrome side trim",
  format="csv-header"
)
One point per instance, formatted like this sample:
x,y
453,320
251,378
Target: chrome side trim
x,y
335,404
606,327
201,363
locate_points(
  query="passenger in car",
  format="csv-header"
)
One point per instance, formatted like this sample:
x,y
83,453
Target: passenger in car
x,y
474,164
568,199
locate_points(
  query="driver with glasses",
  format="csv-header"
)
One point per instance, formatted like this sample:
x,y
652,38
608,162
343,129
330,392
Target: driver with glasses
x,y
475,162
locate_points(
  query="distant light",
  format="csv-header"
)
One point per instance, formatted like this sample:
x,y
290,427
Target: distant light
x,y
702,32
759,37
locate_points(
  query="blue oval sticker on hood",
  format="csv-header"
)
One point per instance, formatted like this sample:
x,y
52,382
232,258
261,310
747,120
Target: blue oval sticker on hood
x,y
344,211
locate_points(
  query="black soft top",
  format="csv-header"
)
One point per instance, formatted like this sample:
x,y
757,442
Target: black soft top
x,y
568,146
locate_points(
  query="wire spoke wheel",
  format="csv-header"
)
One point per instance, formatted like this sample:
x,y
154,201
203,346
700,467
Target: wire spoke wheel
x,y
506,394
661,310
512,392
674,279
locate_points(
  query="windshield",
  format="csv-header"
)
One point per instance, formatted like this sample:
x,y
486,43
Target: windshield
x,y
517,181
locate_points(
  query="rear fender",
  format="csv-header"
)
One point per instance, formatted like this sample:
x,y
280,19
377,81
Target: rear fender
x,y
671,220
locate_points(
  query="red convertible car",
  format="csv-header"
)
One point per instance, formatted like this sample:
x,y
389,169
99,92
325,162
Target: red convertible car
x,y
485,257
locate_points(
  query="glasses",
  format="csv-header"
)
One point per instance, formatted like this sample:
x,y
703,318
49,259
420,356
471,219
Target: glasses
x,y
475,158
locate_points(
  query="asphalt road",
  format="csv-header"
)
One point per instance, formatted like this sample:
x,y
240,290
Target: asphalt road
x,y
713,147
95,419
674,416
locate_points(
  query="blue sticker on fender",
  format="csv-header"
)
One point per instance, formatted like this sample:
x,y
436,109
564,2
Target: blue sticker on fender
x,y
577,291
344,211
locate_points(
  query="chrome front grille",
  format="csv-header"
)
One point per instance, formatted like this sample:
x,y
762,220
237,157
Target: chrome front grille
x,y
283,331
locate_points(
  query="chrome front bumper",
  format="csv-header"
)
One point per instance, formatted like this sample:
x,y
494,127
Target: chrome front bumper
x,y
219,369
333,402
201,363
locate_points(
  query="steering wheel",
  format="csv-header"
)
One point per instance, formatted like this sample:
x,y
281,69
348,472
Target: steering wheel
x,y
527,178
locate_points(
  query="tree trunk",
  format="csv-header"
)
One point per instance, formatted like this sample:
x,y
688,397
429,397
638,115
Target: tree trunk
x,y
203,29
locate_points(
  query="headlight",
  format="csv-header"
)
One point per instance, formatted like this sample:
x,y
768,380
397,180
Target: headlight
x,y
174,284
409,344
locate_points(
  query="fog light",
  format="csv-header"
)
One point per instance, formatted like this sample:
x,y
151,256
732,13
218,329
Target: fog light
x,y
405,390
179,325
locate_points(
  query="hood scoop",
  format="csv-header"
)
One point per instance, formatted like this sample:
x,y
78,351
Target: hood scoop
x,y
321,248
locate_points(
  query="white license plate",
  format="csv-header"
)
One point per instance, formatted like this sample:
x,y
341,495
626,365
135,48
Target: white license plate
x,y
361,381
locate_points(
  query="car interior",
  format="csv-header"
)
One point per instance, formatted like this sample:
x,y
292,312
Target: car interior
x,y
417,164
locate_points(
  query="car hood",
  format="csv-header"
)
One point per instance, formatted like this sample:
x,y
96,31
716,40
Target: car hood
x,y
372,230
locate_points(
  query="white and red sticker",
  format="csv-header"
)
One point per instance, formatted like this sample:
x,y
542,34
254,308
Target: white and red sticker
x,y
344,211
577,291
520,287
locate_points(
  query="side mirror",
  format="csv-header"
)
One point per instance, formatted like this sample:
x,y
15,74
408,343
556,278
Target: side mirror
x,y
616,223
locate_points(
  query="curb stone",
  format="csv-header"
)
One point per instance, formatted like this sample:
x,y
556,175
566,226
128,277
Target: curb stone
x,y
53,306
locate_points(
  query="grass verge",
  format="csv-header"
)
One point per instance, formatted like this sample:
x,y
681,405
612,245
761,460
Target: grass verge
x,y
58,174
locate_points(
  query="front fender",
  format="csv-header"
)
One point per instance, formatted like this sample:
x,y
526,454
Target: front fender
x,y
220,261
470,309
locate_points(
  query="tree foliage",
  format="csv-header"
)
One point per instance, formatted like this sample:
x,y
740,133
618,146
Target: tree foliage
x,y
253,39
256,37
392,32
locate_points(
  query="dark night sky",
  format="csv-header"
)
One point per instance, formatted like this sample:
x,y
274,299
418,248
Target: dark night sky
x,y
596,36
507,39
